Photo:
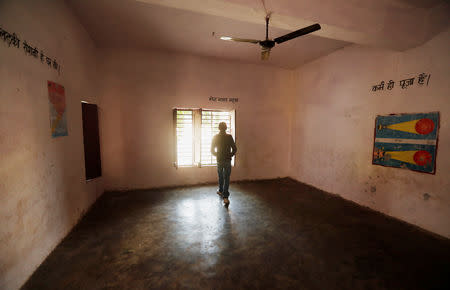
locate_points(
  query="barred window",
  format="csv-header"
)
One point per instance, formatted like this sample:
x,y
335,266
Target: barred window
x,y
210,127
194,131
184,135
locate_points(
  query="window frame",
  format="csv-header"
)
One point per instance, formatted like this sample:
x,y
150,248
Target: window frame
x,y
175,123
232,129
197,122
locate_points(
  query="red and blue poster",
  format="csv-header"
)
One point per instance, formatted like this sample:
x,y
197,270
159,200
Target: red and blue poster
x,y
407,141
57,102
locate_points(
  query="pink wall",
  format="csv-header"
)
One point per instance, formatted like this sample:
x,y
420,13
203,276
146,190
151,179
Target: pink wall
x,y
42,188
333,127
139,90
314,124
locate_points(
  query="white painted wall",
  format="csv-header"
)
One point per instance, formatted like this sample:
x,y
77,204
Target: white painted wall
x,y
333,127
42,188
139,91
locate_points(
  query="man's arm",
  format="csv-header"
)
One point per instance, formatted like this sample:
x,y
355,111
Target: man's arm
x,y
233,146
213,146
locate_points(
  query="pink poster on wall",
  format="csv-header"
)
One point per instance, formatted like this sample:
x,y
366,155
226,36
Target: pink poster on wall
x,y
57,102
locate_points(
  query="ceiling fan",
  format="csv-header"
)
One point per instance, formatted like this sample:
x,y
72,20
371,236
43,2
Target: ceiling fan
x,y
268,44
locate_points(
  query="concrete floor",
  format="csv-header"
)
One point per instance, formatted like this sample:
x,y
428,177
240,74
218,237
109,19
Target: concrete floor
x,y
276,234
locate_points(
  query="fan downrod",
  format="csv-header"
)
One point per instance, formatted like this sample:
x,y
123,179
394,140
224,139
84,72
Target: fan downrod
x,y
267,44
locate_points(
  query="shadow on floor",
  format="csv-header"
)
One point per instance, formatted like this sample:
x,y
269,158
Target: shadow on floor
x,y
277,234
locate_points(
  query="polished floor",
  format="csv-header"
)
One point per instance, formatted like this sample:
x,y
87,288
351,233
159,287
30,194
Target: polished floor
x,y
277,234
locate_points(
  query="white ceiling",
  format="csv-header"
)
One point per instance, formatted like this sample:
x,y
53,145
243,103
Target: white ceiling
x,y
187,25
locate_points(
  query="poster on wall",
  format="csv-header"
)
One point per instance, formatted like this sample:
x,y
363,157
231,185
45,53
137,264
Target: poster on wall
x,y
407,141
57,102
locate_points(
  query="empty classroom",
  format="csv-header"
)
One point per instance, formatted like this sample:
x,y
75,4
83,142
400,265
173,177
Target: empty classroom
x,y
224,144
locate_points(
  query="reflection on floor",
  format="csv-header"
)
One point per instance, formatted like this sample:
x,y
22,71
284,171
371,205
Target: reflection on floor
x,y
276,234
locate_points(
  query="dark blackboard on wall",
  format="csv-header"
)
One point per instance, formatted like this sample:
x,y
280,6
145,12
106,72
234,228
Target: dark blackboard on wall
x,y
91,139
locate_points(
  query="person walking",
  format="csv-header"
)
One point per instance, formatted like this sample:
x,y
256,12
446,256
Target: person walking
x,y
224,148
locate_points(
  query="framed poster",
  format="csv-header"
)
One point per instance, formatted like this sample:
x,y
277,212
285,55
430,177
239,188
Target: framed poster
x,y
57,102
407,141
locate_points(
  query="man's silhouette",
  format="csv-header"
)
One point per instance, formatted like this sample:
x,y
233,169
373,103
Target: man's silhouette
x,y
223,147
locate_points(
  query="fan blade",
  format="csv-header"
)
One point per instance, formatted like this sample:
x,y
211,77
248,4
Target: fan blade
x,y
297,33
239,39
265,53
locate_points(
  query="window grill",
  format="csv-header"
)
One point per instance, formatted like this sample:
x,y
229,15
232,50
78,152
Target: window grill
x,y
194,131
210,124
184,135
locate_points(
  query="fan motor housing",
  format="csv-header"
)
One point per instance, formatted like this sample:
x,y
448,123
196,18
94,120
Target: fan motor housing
x,y
267,43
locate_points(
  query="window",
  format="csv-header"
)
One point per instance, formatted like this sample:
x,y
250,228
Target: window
x,y
184,134
210,127
194,131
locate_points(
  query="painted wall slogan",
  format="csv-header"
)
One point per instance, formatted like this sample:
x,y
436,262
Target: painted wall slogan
x,y
407,141
14,41
422,79
221,99
57,102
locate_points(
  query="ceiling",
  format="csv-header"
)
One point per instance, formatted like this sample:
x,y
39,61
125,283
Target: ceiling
x,y
188,25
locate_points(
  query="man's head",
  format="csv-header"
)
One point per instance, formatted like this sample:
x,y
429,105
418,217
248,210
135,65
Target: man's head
x,y
223,126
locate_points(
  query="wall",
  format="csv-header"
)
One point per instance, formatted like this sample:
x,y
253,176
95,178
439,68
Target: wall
x,y
139,91
333,129
42,188
330,129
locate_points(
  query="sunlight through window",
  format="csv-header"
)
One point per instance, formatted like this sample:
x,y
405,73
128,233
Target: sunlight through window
x,y
210,127
195,129
185,146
